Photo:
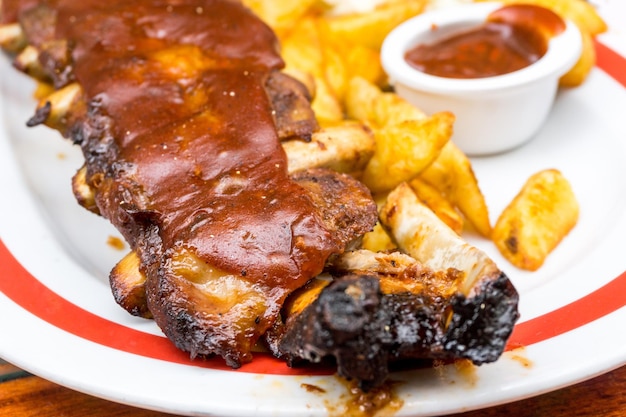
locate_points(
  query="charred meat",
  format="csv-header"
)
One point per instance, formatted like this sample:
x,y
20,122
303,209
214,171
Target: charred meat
x,y
383,308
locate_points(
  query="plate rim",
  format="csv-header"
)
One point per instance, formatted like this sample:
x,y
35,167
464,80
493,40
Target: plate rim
x,y
605,313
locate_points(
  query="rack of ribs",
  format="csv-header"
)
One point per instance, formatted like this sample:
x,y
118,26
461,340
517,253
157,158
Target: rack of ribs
x,y
189,131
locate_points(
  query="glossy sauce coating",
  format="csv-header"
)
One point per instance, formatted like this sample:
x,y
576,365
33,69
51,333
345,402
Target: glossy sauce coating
x,y
201,137
181,126
512,38
9,9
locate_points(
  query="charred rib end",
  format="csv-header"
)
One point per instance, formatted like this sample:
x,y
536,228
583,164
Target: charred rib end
x,y
481,325
41,115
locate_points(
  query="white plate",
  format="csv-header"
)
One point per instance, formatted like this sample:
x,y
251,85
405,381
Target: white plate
x,y
59,319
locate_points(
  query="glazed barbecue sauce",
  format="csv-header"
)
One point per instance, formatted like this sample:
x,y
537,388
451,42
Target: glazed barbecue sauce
x,y
9,9
181,129
512,38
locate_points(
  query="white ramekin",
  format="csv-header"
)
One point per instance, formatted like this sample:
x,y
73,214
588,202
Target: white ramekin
x,y
493,114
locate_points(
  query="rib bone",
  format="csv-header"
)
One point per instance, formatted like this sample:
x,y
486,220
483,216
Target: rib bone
x,y
12,37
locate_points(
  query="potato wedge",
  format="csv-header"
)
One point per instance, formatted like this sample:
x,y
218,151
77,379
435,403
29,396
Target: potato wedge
x,y
326,105
303,51
578,73
364,62
360,100
405,149
407,140
538,218
367,102
301,48
452,174
422,235
378,240
335,71
435,201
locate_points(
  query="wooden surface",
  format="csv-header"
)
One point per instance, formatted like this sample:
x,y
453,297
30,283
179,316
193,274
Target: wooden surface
x,y
23,395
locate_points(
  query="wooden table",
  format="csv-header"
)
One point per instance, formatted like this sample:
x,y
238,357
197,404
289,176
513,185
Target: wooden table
x,y
24,395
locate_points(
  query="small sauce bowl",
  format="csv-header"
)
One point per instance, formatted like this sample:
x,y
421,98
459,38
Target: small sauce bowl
x,y
493,114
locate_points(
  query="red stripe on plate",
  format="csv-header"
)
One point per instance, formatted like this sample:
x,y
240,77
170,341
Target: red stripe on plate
x,y
20,286
25,290
611,62
591,307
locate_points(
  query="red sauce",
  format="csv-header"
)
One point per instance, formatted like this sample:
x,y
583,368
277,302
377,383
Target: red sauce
x,y
512,38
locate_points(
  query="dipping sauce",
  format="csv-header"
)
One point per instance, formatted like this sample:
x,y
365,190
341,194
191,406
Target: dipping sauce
x,y
512,38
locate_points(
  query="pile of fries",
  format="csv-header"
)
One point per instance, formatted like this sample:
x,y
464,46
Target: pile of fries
x,y
337,58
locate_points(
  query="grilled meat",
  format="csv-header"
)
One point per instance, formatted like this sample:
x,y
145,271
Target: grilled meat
x,y
365,330
176,123
187,126
54,59
213,297
291,104
443,299
345,205
384,308
52,62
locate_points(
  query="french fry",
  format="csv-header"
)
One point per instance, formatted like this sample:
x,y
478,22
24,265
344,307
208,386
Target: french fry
x,y
281,15
452,174
435,201
303,51
538,218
